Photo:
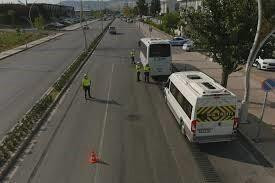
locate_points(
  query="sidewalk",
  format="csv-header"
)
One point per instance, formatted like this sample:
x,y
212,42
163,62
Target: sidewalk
x,y
77,26
18,49
196,61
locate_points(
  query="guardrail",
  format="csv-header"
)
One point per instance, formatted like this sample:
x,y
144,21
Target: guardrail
x,y
18,138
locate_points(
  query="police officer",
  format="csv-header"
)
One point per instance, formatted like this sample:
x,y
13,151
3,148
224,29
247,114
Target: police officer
x,y
138,70
147,69
132,55
86,84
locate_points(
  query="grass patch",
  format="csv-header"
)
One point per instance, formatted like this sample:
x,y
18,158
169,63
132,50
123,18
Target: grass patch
x,y
9,40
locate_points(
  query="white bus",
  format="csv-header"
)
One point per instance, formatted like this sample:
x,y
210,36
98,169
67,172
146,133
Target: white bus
x,y
205,111
156,53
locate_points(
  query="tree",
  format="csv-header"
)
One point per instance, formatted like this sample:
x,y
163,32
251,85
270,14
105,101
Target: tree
x,y
170,22
12,13
225,29
155,7
39,22
142,7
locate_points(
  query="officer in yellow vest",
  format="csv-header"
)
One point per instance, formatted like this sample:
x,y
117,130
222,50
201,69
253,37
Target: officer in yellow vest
x,y
86,84
138,70
147,69
132,55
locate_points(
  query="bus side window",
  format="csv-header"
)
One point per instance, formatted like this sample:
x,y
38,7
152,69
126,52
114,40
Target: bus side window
x,y
173,90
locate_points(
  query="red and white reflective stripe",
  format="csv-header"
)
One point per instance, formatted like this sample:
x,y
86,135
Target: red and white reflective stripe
x,y
194,126
236,123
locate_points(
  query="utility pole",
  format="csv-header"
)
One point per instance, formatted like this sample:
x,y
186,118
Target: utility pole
x,y
102,15
81,19
250,60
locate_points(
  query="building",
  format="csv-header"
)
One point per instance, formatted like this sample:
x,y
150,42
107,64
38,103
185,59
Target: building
x,y
183,4
167,6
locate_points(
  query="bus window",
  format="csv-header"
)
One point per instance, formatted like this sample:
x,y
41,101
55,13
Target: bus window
x,y
159,50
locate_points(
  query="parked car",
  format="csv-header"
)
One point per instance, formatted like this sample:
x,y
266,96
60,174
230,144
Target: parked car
x,y
54,25
177,41
265,64
188,46
112,30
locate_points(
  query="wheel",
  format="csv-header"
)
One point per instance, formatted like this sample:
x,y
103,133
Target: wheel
x,y
258,66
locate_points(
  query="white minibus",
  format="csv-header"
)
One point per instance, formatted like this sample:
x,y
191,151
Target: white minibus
x,y
157,53
205,111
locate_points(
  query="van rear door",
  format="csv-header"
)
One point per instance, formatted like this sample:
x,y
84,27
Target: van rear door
x,y
215,115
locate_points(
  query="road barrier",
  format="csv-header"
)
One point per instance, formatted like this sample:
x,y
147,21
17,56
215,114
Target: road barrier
x,y
18,138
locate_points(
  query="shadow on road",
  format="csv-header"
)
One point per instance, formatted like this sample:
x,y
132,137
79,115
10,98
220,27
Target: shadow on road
x,y
103,101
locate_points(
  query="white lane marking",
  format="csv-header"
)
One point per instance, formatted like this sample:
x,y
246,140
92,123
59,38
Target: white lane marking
x,y
104,124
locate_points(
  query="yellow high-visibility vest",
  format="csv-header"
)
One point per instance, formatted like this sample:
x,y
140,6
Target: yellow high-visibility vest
x,y
86,82
147,68
138,68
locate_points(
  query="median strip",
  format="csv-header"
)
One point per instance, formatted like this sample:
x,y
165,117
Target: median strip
x,y
17,139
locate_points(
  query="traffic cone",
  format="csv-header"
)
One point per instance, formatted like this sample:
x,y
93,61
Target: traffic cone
x,y
93,158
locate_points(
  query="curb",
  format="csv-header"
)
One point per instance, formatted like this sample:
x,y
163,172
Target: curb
x,y
50,37
14,157
257,152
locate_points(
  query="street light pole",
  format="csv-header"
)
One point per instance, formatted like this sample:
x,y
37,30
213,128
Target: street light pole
x,y
84,32
102,15
250,60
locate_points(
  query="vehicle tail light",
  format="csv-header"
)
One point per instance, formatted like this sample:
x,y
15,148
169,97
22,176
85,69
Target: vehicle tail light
x,y
194,126
236,123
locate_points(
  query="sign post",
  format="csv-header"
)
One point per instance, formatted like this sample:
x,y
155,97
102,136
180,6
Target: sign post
x,y
267,86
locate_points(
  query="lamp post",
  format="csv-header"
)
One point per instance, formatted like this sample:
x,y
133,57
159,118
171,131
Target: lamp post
x,y
84,32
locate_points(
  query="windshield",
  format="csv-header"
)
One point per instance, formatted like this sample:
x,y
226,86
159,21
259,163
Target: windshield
x,y
159,50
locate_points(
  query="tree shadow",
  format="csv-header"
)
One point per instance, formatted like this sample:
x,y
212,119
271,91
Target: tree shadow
x,y
268,103
119,33
237,150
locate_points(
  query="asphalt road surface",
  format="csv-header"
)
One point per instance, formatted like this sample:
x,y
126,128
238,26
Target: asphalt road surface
x,y
129,126
24,77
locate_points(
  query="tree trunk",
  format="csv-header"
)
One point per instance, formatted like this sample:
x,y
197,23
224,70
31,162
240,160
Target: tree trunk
x,y
224,80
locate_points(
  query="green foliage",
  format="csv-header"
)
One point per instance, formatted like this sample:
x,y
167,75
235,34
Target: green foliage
x,y
39,22
142,7
96,13
226,30
268,48
170,22
10,40
155,7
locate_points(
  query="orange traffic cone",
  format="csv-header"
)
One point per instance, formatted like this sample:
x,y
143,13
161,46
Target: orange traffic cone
x,y
93,158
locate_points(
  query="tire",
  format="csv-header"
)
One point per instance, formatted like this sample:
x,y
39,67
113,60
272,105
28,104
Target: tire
x,y
258,66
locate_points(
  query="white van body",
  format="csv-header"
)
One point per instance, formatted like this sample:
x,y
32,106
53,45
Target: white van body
x,y
157,53
205,111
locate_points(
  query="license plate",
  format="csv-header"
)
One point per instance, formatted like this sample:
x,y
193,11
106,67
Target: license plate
x,y
204,130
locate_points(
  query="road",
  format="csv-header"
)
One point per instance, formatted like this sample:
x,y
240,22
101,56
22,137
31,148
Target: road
x,y
129,126
24,77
